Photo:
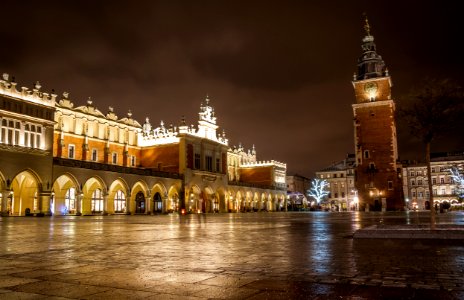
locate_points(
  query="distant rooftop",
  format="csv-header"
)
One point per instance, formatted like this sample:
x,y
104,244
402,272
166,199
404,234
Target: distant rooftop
x,y
447,156
342,165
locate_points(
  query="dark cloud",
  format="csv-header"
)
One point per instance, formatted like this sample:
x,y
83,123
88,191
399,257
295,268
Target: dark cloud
x,y
278,73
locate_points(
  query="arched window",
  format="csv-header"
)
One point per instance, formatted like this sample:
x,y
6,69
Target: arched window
x,y
70,201
119,202
97,201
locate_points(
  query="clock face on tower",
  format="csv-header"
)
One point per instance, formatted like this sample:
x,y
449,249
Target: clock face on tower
x,y
370,87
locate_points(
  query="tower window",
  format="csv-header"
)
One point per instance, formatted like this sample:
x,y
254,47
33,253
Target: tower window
x,y
366,154
390,185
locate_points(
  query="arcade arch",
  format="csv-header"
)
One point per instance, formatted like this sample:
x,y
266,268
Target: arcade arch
x,y
118,197
139,194
194,202
94,197
158,205
173,204
66,196
24,195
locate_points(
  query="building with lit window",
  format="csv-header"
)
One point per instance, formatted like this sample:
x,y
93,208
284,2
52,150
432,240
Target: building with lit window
x,y
341,184
444,189
58,158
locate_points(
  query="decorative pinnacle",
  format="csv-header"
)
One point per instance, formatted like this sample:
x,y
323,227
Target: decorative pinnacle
x,y
367,27
129,114
89,101
207,99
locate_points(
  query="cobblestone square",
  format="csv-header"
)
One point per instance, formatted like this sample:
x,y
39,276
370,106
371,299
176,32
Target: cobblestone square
x,y
309,255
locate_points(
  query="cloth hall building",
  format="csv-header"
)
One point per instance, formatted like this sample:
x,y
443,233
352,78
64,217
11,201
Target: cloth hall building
x,y
58,158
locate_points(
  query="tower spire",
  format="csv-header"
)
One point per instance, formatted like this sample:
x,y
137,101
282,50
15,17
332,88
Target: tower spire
x,y
370,63
367,27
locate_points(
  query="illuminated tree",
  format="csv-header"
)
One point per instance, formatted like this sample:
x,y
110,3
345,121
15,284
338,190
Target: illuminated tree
x,y
430,111
458,178
318,189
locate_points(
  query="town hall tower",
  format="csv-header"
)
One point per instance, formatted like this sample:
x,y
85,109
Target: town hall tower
x,y
377,175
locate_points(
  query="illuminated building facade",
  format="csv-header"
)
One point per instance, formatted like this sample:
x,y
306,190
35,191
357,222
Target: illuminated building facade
x,y
377,180
342,192
26,143
60,159
445,190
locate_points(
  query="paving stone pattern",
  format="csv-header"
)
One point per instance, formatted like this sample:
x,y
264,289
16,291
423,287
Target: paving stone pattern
x,y
308,255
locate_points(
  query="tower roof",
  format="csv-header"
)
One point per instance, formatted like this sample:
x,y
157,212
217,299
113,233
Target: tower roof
x,y
370,64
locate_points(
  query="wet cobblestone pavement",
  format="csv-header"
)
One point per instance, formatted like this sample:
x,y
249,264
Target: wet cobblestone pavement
x,y
225,256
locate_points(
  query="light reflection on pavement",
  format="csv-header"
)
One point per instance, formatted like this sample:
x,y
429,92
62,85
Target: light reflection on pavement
x,y
250,255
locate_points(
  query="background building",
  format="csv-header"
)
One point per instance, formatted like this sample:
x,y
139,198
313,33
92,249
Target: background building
x,y
342,191
297,190
445,190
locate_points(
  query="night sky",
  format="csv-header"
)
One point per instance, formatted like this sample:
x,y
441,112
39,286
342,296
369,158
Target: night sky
x,y
277,72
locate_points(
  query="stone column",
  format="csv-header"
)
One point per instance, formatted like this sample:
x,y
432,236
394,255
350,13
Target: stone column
x,y
79,198
164,203
128,204
3,208
148,204
105,205
44,202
